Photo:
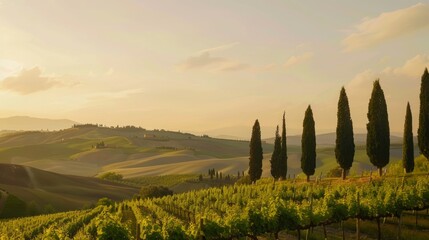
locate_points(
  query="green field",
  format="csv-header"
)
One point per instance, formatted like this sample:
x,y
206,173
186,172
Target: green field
x,y
128,151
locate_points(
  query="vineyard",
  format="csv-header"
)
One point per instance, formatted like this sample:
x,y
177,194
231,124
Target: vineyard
x,y
233,212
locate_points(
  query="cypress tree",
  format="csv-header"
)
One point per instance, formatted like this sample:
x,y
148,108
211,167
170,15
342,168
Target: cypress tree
x,y
423,131
344,145
256,154
408,144
275,157
308,144
283,154
378,137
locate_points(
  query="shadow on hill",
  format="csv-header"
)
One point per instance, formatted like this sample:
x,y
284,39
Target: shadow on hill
x,y
62,192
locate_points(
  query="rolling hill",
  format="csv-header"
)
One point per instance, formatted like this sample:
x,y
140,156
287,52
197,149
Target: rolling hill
x,y
58,168
62,192
130,151
328,139
135,152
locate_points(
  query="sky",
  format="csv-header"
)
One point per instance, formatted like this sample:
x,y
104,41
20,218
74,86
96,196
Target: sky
x,y
210,66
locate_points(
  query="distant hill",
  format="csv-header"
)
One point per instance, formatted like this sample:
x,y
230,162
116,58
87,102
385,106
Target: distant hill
x,y
239,132
24,123
63,192
129,151
135,152
328,139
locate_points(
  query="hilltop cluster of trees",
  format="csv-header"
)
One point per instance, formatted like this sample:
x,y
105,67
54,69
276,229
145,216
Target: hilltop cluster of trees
x,y
129,127
87,125
96,125
212,173
377,142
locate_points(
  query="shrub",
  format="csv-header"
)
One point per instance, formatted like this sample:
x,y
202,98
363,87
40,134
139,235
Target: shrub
x,y
14,207
244,180
155,191
112,176
32,209
335,172
48,208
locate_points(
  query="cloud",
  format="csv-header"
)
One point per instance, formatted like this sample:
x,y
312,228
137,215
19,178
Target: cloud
x,y
110,72
231,66
219,48
412,68
204,60
267,67
401,84
102,96
200,61
403,81
9,67
207,62
363,79
298,59
389,25
29,81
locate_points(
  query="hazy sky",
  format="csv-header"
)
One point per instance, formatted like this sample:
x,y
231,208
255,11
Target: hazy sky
x,y
204,65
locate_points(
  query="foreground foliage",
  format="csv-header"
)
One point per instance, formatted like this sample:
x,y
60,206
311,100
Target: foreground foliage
x,y
232,211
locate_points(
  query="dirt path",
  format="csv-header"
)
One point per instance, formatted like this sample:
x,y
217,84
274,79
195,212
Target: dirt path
x,y
4,196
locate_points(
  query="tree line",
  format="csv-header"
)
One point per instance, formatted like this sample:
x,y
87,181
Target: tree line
x,y
377,141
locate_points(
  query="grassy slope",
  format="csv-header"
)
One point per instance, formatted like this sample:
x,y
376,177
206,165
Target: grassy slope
x,y
70,152
63,192
131,154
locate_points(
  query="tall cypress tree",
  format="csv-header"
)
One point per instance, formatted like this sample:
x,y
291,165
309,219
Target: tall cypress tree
x,y
256,154
276,157
283,154
344,145
423,132
378,137
408,142
308,144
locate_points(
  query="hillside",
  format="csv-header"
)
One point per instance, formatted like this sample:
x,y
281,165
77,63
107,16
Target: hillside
x,y
328,139
130,151
62,192
24,123
135,152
